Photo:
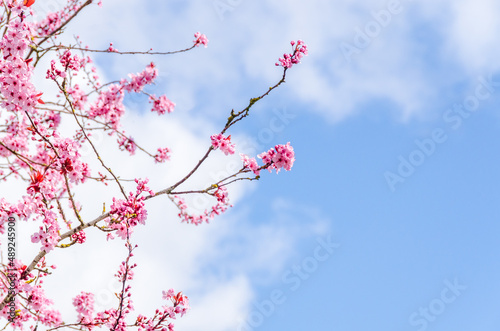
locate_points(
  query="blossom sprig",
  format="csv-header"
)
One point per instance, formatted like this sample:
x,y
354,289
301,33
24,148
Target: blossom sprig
x,y
79,237
218,208
127,144
223,142
200,39
162,104
126,214
250,163
139,80
277,158
162,319
84,305
162,155
115,319
288,60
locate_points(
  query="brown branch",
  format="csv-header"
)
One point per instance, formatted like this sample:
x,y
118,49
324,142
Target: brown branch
x,y
149,52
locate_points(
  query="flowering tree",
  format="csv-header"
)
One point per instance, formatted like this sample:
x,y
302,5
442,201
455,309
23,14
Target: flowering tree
x,y
36,155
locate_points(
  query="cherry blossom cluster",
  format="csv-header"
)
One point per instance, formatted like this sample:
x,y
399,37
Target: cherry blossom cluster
x,y
78,97
200,39
48,235
112,49
220,207
250,163
71,62
126,214
79,237
37,302
109,106
222,195
16,87
160,321
277,158
222,142
64,164
139,80
54,73
84,304
162,155
127,144
281,156
288,60
161,104
68,160
125,272
15,42
37,305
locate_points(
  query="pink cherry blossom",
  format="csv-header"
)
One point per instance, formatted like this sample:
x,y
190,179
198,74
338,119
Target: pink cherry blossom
x,y
71,62
250,163
222,142
220,207
109,106
162,155
127,144
79,237
126,214
282,156
200,39
288,60
139,80
84,304
161,104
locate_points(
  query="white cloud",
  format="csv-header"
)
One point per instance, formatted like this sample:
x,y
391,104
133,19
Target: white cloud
x,y
222,309
473,36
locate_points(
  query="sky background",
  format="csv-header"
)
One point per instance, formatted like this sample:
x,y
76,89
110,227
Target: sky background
x,y
388,169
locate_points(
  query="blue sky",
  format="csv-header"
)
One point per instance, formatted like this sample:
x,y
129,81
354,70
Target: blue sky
x,y
418,253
